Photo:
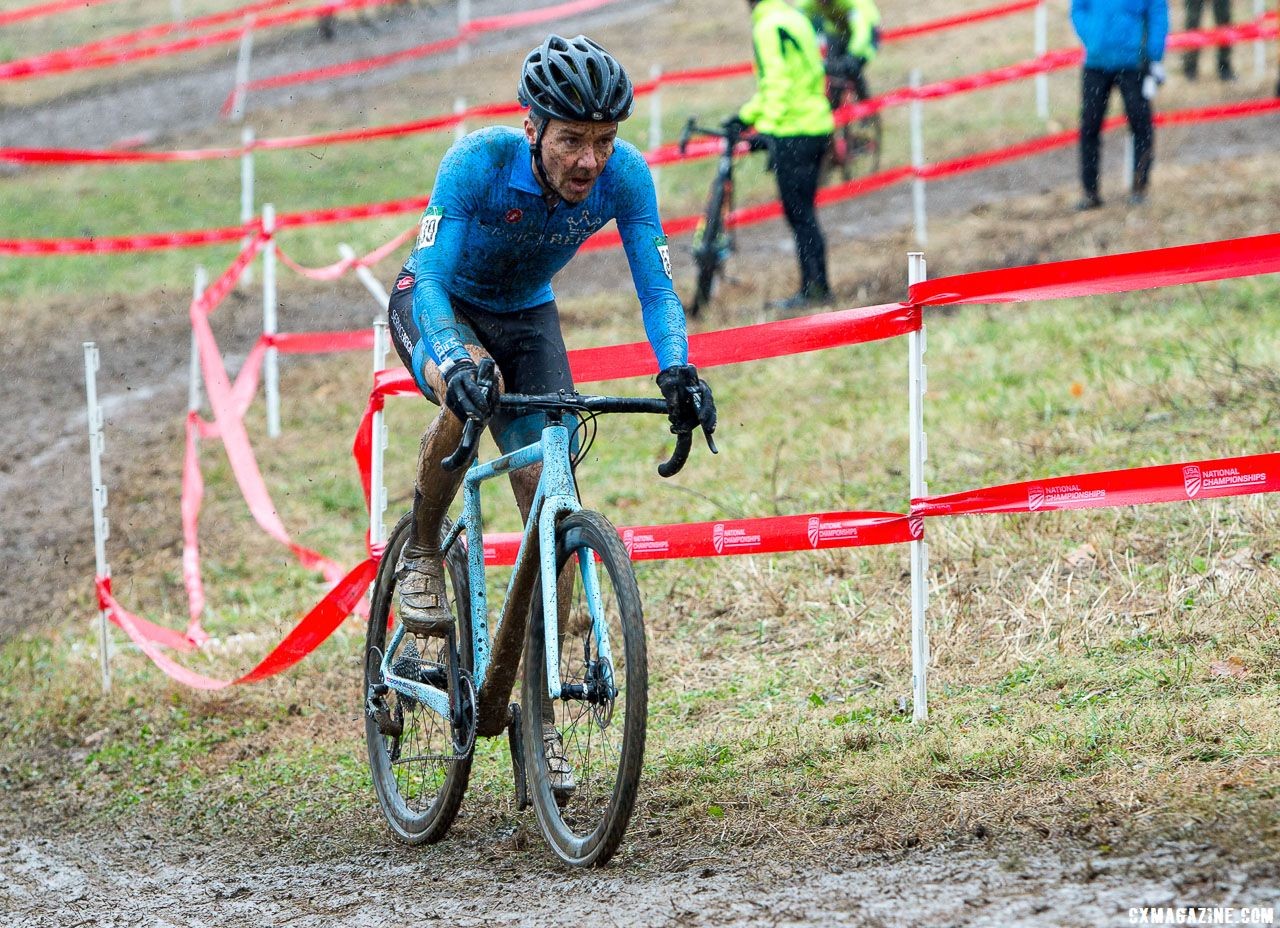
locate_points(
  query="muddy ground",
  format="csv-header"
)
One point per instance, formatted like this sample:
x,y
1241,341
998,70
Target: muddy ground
x,y
140,876
117,880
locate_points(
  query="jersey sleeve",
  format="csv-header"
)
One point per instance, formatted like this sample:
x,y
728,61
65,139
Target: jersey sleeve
x,y
437,250
650,259
771,78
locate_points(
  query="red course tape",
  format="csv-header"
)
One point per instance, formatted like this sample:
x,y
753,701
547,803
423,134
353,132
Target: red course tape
x,y
1164,483
1160,267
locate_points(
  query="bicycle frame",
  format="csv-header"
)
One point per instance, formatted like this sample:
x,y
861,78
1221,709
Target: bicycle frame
x,y
556,496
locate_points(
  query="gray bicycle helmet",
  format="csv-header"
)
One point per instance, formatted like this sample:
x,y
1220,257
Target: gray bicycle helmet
x,y
575,80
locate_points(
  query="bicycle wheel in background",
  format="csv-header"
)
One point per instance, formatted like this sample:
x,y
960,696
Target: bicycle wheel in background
x,y
418,777
598,726
862,139
710,247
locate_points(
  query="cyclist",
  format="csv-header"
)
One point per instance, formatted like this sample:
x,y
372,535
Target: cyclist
x,y
507,211
851,30
790,111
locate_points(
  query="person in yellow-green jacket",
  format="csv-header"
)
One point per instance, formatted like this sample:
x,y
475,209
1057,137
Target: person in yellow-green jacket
x,y
851,30
791,113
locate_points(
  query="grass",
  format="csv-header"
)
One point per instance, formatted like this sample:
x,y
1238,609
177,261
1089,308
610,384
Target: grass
x,y
1085,665
1062,690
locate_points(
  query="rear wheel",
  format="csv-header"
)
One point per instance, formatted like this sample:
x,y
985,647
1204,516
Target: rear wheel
x,y
597,726
855,146
419,773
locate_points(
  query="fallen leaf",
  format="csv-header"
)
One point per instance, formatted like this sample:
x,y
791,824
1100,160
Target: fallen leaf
x,y
1231,667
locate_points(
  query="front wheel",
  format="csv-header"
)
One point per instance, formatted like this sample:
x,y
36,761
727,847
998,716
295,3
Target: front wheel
x,y
419,773
584,750
711,246
854,150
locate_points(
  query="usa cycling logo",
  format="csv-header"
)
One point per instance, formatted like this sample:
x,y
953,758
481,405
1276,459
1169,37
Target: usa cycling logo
x,y
1035,498
629,540
916,526
717,538
1192,480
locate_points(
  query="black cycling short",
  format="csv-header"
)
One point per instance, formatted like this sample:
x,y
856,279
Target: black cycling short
x,y
526,345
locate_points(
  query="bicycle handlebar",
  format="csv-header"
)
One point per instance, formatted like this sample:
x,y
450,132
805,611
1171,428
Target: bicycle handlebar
x,y
523,403
473,427
684,441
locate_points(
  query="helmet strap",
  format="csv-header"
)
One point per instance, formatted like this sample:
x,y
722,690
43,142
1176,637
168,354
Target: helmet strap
x,y
541,169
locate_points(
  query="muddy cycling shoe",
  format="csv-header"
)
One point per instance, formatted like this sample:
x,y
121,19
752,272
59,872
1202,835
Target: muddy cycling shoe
x,y
423,606
559,770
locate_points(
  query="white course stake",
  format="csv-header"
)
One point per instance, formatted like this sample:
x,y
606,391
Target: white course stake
x,y
194,375
1041,49
241,89
459,107
101,527
917,162
1259,47
246,193
270,363
365,276
464,24
378,492
919,451
655,121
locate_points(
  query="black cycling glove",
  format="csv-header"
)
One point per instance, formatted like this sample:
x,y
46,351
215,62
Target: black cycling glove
x,y
689,400
465,396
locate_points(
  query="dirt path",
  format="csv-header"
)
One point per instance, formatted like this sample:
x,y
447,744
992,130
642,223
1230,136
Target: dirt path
x,y
133,879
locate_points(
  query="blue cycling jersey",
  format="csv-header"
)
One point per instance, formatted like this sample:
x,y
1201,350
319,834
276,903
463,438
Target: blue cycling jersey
x,y
488,237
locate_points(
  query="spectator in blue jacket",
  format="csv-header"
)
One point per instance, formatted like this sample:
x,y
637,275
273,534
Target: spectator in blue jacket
x,y
1124,47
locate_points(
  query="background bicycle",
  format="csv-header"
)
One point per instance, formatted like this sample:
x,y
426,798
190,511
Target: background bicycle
x,y
856,143
713,239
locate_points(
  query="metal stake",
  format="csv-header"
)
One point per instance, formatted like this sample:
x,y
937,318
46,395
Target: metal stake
x,y
365,276
919,451
241,89
271,363
1259,47
101,527
655,121
464,24
246,193
917,162
1041,49
194,374
459,107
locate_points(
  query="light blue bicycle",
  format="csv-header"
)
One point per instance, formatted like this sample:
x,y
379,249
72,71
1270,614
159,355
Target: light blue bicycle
x,y
580,737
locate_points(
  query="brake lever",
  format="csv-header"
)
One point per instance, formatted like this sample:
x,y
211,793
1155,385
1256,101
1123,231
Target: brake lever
x,y
687,134
471,430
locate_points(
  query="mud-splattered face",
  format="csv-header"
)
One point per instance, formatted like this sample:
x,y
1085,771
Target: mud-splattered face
x,y
574,154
